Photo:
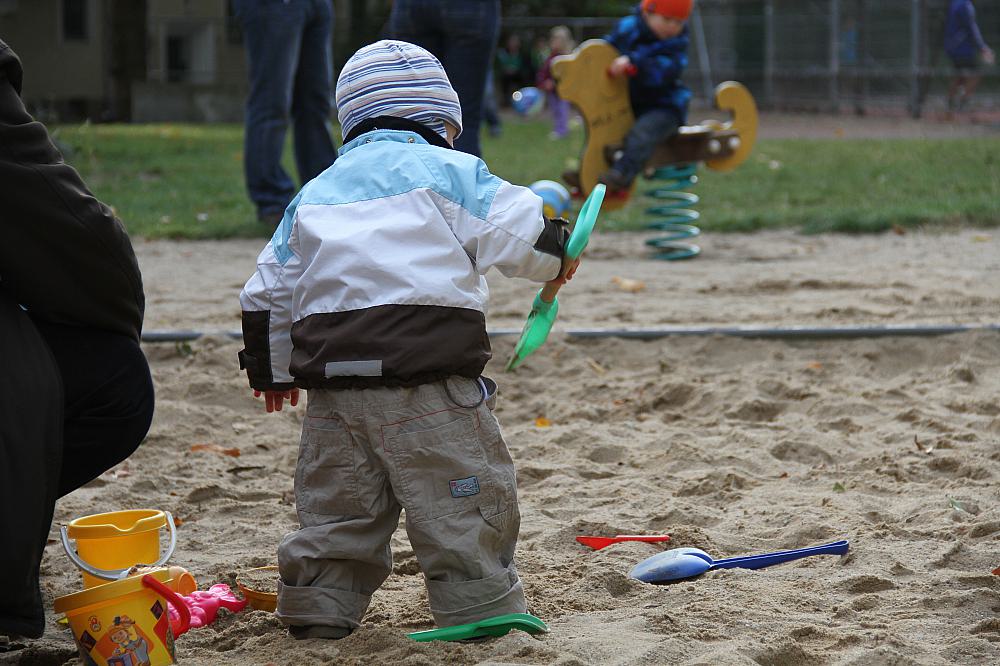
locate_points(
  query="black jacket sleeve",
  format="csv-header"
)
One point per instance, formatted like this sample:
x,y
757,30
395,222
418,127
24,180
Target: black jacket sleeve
x,y
64,256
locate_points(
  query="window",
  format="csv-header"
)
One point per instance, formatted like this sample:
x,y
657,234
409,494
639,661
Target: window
x,y
189,52
74,20
178,58
234,31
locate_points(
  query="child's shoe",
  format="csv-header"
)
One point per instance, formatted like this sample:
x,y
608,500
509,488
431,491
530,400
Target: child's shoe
x,y
613,153
615,180
303,632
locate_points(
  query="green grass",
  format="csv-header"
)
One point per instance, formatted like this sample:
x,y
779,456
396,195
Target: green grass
x,y
186,181
175,181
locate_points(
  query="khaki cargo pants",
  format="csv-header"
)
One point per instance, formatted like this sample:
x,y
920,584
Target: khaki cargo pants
x,y
364,455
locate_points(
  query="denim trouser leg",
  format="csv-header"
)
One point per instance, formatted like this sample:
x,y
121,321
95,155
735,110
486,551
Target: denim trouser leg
x,y
463,35
490,113
282,41
314,150
649,129
468,54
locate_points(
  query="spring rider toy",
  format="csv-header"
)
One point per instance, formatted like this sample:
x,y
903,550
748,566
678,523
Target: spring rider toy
x,y
603,101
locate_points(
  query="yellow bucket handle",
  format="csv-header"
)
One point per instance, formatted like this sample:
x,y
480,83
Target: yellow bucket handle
x,y
117,574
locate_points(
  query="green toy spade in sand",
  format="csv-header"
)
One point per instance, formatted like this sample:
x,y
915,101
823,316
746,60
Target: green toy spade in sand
x,y
546,306
492,626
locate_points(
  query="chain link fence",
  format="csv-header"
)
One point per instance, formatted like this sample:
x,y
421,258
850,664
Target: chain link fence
x,y
865,56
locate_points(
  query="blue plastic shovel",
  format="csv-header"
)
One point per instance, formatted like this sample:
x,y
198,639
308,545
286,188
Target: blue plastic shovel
x,y
681,563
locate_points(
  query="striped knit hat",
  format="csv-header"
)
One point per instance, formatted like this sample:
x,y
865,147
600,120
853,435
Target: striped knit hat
x,y
392,78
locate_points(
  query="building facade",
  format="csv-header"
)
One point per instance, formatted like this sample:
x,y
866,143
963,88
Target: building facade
x,y
144,60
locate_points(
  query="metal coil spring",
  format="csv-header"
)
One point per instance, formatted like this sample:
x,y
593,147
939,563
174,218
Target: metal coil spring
x,y
676,206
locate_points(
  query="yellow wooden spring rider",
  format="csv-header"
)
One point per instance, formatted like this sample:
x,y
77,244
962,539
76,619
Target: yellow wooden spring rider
x,y
603,101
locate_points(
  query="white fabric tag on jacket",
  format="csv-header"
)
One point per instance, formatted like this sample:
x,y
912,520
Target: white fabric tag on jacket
x,y
353,369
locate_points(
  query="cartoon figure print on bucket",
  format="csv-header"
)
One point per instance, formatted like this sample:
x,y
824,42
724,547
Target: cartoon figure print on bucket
x,y
125,623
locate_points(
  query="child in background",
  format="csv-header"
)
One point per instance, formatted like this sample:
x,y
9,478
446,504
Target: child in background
x,y
539,52
653,44
963,42
371,295
560,43
513,66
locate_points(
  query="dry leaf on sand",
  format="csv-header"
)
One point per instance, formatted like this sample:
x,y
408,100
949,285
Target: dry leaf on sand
x,y
629,285
215,448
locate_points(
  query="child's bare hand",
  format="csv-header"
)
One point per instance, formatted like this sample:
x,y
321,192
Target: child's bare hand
x,y
274,399
620,66
569,267
988,56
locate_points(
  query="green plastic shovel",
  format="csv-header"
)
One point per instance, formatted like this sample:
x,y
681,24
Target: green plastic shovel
x,y
546,306
493,626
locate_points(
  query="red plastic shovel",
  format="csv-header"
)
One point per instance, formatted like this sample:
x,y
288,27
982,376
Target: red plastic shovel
x,y
601,542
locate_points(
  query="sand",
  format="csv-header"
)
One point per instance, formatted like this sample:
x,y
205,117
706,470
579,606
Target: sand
x,y
732,445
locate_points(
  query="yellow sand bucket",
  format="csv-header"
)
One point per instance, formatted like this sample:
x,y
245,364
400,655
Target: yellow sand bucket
x,y
125,623
109,544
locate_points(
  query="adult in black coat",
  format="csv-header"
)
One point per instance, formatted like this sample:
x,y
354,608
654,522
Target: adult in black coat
x,y
76,396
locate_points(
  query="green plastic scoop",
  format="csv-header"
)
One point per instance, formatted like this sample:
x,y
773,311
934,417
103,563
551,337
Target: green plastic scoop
x,y
493,626
546,306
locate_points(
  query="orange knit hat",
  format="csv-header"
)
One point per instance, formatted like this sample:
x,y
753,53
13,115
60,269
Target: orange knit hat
x,y
675,9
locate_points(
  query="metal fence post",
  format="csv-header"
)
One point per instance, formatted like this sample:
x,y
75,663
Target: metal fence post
x,y
915,58
704,61
835,55
864,59
769,52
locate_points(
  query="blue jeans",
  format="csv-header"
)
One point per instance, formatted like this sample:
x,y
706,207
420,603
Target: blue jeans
x,y
490,113
289,54
651,128
463,35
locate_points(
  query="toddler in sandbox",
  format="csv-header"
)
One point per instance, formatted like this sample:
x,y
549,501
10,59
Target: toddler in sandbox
x,y
371,296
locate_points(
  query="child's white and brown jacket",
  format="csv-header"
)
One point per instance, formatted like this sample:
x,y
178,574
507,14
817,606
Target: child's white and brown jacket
x,y
375,276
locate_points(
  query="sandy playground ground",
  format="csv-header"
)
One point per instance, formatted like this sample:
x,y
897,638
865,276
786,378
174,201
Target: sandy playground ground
x,y
736,446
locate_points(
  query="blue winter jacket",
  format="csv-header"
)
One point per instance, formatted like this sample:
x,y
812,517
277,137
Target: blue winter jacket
x,y
660,63
962,39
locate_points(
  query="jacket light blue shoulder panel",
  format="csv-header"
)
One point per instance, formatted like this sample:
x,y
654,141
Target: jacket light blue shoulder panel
x,y
372,166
